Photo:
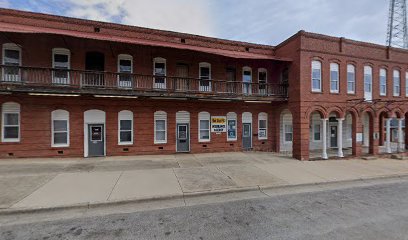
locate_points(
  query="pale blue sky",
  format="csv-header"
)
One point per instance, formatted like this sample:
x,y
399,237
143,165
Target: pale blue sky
x,y
259,21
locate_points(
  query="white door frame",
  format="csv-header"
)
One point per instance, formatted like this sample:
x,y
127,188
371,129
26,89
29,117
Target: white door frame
x,y
94,116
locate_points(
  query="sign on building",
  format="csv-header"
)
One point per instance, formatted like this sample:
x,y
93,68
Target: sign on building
x,y
218,124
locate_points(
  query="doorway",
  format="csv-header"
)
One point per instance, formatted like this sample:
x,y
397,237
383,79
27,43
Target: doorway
x,y
333,136
247,136
95,66
231,80
181,81
96,140
183,137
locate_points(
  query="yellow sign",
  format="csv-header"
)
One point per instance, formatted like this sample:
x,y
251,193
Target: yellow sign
x,y
218,124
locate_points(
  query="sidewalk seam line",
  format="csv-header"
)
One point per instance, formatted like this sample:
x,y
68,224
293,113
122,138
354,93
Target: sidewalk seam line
x,y
117,180
181,189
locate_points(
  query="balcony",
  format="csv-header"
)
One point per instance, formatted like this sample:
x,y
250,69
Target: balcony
x,y
59,81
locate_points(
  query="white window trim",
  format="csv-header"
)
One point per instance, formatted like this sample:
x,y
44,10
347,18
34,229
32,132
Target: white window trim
x,y
11,46
263,116
320,80
246,69
3,114
160,115
160,60
368,71
406,84
383,73
125,115
284,132
313,132
396,76
53,118
351,69
232,116
61,51
204,65
204,116
332,69
125,57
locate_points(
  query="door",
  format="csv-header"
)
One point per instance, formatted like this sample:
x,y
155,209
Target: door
x,y
247,136
96,140
181,82
231,80
95,66
183,137
333,136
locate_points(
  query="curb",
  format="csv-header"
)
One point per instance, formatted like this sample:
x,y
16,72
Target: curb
x,y
94,205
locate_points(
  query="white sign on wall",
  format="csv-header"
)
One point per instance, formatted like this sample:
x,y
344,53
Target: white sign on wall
x,y
359,137
218,124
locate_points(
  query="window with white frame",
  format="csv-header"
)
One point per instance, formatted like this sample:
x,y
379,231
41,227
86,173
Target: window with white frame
x,y
160,127
316,132
61,65
316,76
204,127
406,84
368,83
334,77
10,122
11,62
262,125
60,128
288,132
262,80
125,70
397,83
383,82
159,72
125,127
246,80
232,126
351,79
205,77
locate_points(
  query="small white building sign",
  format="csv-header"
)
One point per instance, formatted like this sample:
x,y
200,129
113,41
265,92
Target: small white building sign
x,y
218,124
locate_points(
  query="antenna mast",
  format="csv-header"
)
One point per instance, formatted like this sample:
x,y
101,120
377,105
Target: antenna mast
x,y
397,34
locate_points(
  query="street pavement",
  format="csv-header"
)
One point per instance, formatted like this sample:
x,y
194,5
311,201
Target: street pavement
x,y
372,211
50,183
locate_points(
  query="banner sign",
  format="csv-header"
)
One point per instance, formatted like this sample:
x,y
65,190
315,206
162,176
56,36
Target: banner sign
x,y
218,124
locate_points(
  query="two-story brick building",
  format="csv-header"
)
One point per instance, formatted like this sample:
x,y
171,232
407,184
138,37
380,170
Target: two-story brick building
x,y
72,87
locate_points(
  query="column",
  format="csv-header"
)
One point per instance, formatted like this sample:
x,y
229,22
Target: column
x,y
400,138
324,140
388,135
340,137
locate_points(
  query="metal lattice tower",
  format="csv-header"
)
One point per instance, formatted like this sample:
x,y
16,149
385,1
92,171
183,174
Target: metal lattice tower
x,y
397,35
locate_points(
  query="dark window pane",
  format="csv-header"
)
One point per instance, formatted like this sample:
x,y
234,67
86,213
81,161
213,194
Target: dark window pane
x,y
11,57
160,125
11,119
60,125
125,125
60,58
10,132
262,123
126,136
61,138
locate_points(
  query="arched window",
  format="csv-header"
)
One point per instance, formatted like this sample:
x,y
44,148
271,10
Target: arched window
x,y
351,79
316,76
368,83
159,72
10,123
205,76
262,80
125,70
334,78
262,126
60,128
246,80
397,83
204,127
232,126
61,65
11,62
125,127
383,82
160,127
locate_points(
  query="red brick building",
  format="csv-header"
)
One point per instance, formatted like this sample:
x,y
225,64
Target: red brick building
x,y
72,87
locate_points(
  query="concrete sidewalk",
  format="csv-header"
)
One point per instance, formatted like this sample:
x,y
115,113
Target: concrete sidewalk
x,y
50,183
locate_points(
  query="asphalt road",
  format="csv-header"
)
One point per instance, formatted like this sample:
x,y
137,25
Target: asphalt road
x,y
374,212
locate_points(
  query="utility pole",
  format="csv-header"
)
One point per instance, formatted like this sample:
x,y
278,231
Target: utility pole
x,y
397,34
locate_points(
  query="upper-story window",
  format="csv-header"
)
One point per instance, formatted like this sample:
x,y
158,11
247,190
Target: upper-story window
x,y
125,70
406,84
60,128
262,80
368,83
205,77
246,80
383,82
11,60
334,77
10,122
159,72
316,76
351,79
61,65
397,83
125,125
